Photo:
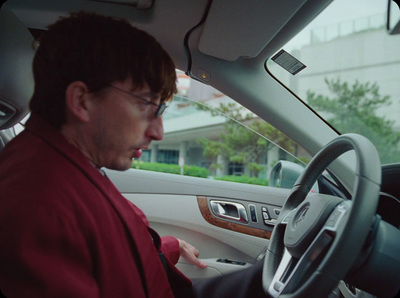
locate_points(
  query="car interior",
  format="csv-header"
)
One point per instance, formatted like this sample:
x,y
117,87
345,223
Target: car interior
x,y
333,231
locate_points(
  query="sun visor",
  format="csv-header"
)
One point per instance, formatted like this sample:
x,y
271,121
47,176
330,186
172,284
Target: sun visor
x,y
236,29
16,82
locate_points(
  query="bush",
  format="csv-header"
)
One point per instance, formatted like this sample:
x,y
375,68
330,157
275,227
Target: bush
x,y
244,179
171,168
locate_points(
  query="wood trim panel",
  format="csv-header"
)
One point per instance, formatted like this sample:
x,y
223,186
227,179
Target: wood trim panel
x,y
205,212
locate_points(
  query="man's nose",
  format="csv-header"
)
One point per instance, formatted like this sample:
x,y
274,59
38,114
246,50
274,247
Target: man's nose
x,y
155,130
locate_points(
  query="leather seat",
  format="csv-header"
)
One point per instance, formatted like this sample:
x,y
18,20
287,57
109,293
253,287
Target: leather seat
x,y
16,81
5,136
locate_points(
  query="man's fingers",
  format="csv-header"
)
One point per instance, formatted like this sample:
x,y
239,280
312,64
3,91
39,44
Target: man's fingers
x,y
190,254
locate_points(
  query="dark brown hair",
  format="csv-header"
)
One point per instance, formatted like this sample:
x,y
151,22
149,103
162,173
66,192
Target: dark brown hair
x,y
96,50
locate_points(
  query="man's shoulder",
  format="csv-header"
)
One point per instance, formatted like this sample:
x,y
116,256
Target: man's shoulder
x,y
29,154
30,165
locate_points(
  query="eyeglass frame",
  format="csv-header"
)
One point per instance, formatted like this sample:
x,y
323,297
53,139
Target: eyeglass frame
x,y
160,107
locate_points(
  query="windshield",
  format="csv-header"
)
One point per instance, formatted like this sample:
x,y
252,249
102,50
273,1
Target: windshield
x,y
352,69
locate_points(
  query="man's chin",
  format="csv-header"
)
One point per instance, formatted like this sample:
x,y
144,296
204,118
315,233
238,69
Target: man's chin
x,y
121,166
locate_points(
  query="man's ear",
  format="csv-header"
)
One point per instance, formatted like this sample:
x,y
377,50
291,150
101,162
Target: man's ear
x,y
76,100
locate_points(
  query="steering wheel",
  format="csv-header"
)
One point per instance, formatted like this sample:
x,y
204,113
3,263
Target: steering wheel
x,y
317,238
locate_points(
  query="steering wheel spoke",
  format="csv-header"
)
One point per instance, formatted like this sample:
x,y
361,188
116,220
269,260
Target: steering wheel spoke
x,y
292,271
279,281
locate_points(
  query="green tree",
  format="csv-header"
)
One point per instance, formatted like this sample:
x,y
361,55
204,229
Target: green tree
x,y
352,108
243,144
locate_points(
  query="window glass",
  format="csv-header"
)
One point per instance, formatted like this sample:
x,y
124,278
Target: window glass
x,y
207,134
352,72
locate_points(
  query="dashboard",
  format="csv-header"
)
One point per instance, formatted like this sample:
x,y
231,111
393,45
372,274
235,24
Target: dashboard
x,y
389,202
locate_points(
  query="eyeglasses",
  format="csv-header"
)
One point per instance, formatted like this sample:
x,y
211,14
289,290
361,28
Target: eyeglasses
x,y
160,108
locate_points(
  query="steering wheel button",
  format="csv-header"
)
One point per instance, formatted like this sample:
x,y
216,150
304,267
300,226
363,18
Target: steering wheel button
x,y
333,218
330,222
278,286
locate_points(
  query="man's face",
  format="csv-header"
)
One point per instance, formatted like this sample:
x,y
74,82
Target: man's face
x,y
123,124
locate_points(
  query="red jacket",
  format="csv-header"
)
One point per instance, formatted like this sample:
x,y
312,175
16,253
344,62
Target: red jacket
x,y
66,231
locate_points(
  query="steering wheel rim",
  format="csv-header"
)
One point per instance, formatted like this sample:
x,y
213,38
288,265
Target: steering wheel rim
x,y
289,258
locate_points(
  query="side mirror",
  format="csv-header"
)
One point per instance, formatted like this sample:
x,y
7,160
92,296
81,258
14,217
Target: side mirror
x,y
393,17
284,174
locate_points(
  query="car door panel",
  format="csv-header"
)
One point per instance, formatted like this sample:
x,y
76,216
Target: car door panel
x,y
180,206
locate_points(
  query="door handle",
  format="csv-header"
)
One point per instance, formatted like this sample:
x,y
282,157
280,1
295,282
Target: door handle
x,y
229,210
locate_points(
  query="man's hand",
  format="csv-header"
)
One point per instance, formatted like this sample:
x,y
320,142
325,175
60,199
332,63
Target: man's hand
x,y
190,254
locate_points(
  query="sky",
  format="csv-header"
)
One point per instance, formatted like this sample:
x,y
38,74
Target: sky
x,y
340,11
344,10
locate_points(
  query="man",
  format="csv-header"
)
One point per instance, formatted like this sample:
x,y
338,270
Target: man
x,y
101,87
100,90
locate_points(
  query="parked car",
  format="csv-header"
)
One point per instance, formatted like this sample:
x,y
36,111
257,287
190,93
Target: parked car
x,y
281,146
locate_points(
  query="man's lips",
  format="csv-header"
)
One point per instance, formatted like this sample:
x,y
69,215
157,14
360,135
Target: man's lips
x,y
137,153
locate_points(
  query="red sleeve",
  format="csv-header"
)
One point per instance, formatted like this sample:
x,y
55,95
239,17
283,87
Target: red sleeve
x,y
169,244
139,213
170,248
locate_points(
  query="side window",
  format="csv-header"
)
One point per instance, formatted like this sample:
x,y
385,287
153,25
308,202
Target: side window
x,y
209,135
355,91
